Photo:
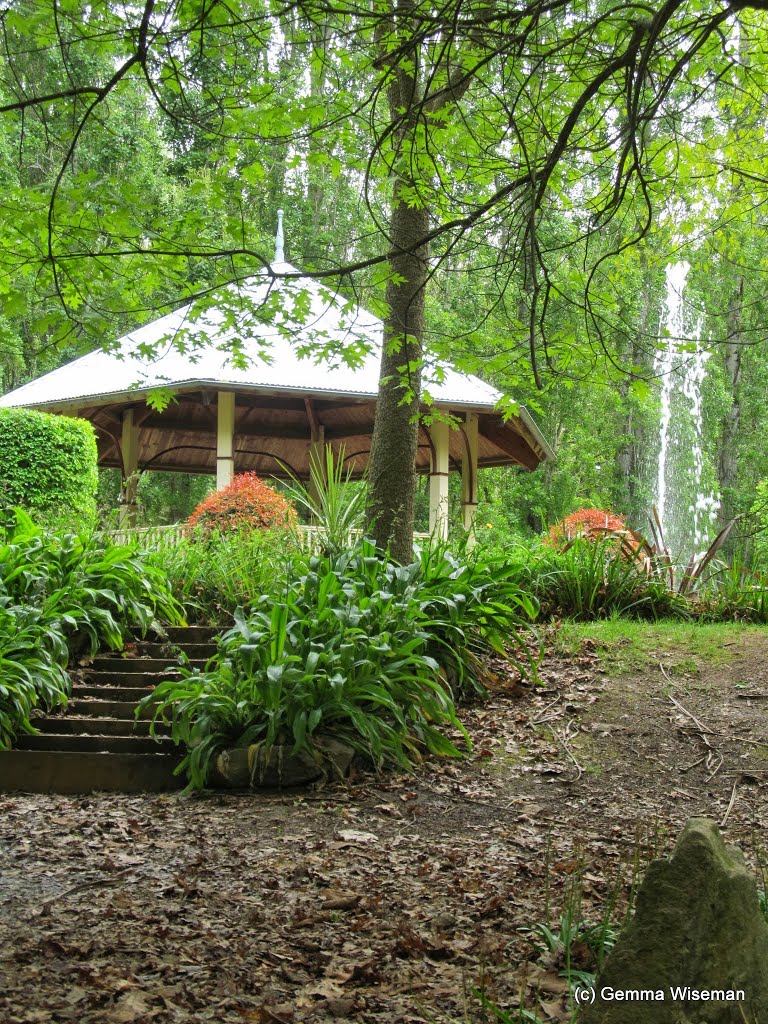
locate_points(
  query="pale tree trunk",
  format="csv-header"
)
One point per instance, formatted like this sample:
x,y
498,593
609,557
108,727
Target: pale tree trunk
x,y
628,458
727,466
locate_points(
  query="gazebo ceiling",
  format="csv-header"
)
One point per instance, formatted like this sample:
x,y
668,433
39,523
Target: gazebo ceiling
x,y
274,433
282,405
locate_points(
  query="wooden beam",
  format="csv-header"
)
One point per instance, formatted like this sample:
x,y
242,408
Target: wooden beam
x,y
314,422
255,431
504,436
293,433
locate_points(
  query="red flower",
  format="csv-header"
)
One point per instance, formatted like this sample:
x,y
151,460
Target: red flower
x,y
591,523
246,503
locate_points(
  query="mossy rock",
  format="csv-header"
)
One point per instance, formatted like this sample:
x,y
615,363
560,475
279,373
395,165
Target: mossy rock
x,y
696,951
255,768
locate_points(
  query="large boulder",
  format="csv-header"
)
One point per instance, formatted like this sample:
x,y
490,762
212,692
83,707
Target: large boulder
x,y
696,951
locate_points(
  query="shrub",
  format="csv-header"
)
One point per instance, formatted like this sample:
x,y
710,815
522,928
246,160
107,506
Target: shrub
x,y
473,603
591,523
732,593
48,465
33,656
96,590
246,503
334,502
593,579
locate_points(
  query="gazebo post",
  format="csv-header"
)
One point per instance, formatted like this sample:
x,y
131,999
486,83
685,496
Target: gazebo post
x,y
438,481
225,438
316,453
129,445
469,474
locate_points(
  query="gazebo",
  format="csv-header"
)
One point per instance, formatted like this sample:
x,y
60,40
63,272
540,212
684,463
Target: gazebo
x,y
249,393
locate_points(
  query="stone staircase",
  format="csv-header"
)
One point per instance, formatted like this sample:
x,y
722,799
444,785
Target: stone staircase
x,y
96,743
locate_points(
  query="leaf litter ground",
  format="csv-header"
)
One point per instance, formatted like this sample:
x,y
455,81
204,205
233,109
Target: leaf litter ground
x,y
395,898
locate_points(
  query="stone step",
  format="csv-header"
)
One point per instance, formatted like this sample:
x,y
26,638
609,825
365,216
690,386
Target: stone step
x,y
93,707
193,634
98,726
133,666
98,743
108,692
61,771
92,677
169,652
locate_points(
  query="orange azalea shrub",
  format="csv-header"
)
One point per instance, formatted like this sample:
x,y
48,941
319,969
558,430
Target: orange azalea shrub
x,y
591,523
246,503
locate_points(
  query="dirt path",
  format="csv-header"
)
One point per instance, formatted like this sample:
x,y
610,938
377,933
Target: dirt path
x,y
395,899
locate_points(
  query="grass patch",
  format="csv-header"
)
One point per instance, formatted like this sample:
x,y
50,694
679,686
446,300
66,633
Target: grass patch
x,y
624,645
594,754
506,755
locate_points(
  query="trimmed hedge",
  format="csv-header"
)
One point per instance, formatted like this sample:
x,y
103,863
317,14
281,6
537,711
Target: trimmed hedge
x,y
48,465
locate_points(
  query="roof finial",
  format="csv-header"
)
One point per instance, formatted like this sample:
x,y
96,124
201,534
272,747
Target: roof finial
x,y
279,240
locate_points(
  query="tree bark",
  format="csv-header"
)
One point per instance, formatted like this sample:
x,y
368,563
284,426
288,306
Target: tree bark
x,y
392,465
628,464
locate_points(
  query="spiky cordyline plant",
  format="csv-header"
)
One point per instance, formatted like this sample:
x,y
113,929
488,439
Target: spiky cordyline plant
x,y
334,503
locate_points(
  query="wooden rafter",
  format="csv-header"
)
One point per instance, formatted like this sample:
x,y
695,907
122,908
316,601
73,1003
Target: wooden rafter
x,y
504,437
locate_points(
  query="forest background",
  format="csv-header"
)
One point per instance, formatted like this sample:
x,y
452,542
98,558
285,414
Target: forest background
x,y
144,154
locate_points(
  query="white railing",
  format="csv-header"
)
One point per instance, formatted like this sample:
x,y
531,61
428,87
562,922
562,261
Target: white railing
x,y
310,537
148,534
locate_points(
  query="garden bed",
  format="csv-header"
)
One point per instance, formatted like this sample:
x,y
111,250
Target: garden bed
x,y
393,898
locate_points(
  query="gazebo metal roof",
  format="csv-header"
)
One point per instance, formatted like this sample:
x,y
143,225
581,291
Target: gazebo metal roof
x,y
283,391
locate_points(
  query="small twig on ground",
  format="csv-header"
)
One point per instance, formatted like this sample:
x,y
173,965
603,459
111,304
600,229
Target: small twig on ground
x,y
702,728
81,886
664,672
541,718
563,741
731,802
713,757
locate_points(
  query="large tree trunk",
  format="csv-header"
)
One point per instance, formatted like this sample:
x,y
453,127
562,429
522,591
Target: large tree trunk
x,y
727,466
392,467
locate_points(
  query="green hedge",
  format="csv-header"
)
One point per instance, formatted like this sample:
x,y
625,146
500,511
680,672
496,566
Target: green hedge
x,y
48,465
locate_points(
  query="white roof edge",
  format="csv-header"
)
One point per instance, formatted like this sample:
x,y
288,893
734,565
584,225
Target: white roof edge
x,y
106,399
530,423
214,385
